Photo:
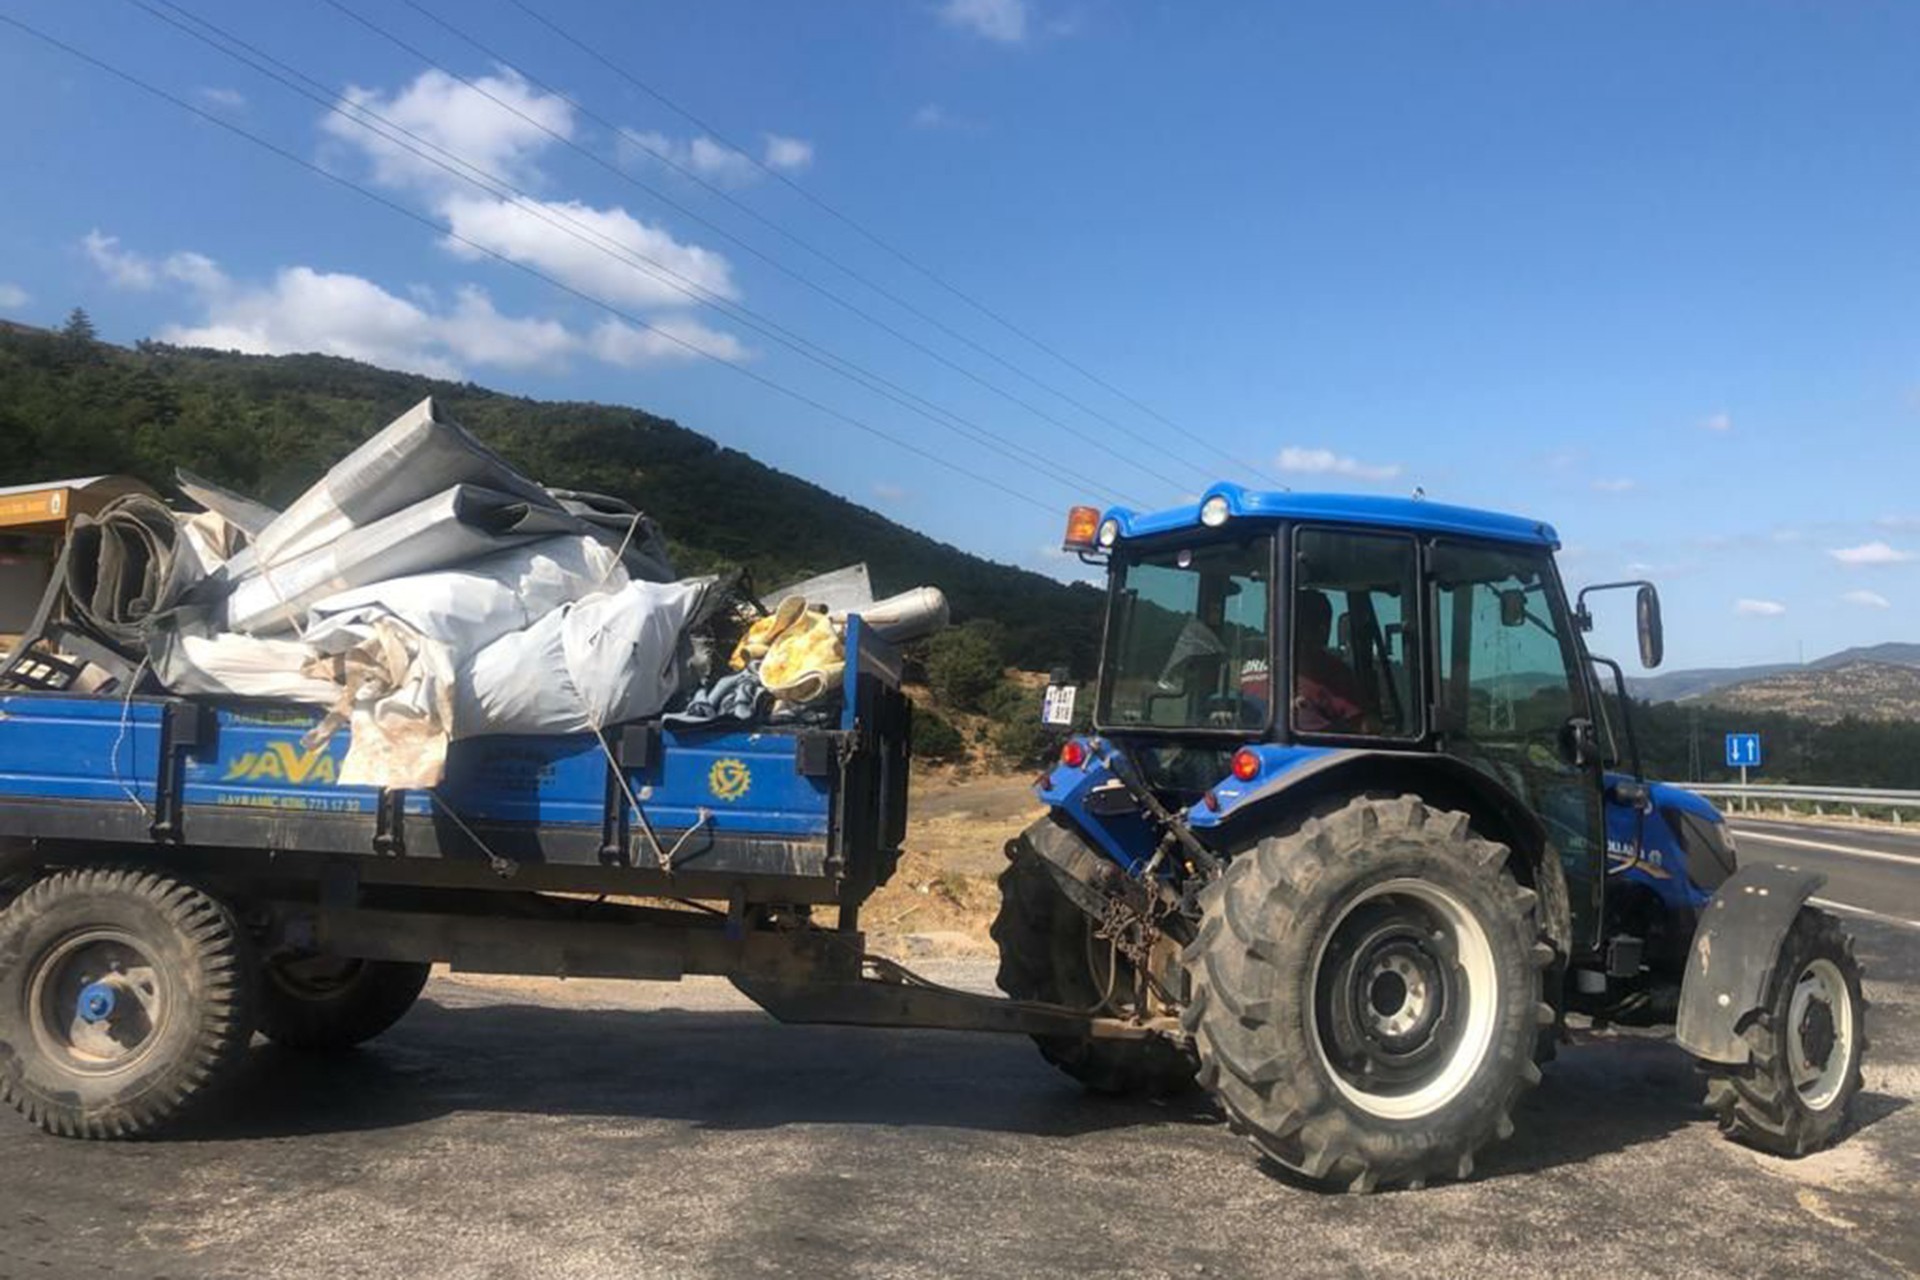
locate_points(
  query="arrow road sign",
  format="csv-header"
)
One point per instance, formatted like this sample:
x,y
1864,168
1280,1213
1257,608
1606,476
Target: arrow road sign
x,y
1743,751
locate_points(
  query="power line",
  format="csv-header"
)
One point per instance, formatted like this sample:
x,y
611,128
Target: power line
x,y
900,254
1079,436
415,216
501,188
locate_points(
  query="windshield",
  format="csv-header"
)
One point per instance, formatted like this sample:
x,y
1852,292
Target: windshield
x,y
1189,644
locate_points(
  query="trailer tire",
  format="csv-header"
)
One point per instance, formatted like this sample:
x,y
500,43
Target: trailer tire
x,y
1813,996
322,1004
126,998
1366,994
1042,938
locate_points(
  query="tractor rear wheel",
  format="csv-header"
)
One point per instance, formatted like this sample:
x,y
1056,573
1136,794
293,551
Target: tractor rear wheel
x,y
125,999
1366,994
1806,1044
1048,952
325,1003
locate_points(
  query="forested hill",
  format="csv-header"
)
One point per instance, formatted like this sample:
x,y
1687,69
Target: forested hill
x,y
269,425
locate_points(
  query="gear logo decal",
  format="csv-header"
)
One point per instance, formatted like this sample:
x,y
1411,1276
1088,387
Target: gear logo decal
x,y
729,778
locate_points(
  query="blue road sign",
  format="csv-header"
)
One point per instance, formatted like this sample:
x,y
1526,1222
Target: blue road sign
x,y
1743,751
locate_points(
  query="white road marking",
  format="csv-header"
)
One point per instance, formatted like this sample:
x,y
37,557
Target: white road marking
x,y
1881,916
1767,837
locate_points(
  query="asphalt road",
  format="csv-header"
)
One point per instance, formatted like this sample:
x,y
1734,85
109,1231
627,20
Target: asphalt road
x,y
593,1129
1872,871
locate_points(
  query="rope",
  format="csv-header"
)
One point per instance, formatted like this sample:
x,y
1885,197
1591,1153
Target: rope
x,y
126,716
502,866
662,855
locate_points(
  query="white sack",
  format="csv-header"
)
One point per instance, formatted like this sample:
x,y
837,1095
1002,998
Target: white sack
x,y
398,643
608,658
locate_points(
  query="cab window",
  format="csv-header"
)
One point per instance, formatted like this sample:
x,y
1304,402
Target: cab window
x,y
1189,646
1354,623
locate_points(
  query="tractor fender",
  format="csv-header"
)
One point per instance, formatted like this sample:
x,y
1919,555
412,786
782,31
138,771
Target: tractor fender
x,y
1730,963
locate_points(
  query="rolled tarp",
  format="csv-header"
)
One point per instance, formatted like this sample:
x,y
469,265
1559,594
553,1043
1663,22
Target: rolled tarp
x,y
122,567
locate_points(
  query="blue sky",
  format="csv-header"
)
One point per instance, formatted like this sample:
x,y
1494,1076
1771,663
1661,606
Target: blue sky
x,y
1649,272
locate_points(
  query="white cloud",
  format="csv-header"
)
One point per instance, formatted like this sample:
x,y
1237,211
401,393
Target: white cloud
x,y
1722,421
569,241
227,99
713,161
1327,462
887,491
1867,599
303,309
127,270
1870,554
12,296
458,118
670,339
1616,485
306,310
1001,20
789,155
1759,608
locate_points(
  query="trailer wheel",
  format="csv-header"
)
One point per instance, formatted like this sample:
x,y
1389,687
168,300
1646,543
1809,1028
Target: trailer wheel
x,y
1048,953
1366,994
326,1003
1807,1044
125,999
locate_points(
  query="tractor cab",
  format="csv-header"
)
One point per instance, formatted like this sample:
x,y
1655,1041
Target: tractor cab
x,y
1355,809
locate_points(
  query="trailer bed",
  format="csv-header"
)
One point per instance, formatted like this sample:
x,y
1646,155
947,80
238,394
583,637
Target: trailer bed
x,y
806,813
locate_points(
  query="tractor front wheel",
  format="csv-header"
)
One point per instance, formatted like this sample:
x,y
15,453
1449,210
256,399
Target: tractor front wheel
x,y
1366,993
1805,1046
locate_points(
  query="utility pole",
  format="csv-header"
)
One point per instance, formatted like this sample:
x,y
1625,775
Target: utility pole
x,y
1693,744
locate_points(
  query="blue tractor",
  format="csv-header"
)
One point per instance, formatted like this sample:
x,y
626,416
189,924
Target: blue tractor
x,y
1351,824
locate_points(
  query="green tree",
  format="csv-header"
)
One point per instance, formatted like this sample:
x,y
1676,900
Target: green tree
x,y
935,738
965,666
79,329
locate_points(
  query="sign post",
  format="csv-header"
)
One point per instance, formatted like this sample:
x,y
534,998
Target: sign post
x,y
1743,753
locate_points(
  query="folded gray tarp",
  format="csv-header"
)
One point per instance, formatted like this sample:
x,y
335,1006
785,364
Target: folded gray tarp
x,y
452,527
415,456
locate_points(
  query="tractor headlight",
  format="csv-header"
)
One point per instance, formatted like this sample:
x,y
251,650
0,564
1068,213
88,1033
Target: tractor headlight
x,y
1109,531
1213,512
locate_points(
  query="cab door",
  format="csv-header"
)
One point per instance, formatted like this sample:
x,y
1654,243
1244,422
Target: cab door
x,y
1511,697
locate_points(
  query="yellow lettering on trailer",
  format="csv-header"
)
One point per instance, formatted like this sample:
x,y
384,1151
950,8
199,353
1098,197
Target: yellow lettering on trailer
x,y
283,762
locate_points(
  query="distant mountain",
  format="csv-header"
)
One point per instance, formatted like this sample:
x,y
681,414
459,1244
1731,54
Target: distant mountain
x,y
1827,693
1679,686
1897,652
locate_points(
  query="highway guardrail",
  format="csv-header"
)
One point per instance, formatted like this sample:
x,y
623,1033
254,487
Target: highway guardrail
x,y
1851,800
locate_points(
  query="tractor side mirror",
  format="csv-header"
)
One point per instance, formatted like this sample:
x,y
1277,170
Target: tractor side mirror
x,y
1513,608
1653,643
